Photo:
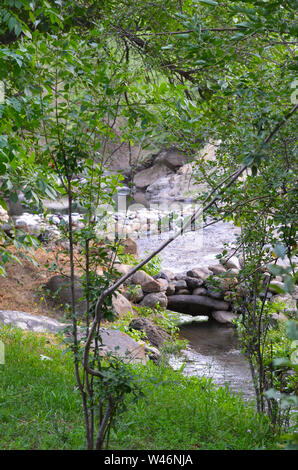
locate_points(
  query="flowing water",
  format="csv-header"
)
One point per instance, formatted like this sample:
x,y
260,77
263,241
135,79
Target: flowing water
x,y
214,350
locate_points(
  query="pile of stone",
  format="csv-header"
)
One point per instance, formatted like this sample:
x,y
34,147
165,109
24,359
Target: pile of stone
x,y
188,293
200,291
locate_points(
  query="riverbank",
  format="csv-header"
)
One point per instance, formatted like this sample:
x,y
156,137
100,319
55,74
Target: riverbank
x,y
42,406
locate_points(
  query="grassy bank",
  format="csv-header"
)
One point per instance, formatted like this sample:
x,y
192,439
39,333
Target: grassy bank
x,y
40,407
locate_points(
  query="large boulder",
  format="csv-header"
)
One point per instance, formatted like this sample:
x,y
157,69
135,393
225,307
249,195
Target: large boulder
x,y
148,176
121,345
121,305
163,284
58,289
172,158
195,304
154,333
174,186
224,317
147,282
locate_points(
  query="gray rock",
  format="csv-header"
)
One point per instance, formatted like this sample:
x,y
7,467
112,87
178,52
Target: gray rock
x,y
123,268
122,345
151,300
215,294
163,284
233,263
114,341
222,316
180,277
27,321
199,273
170,289
195,304
155,334
172,158
121,305
169,275
150,175
147,282
200,291
180,285
193,282
134,296
183,291
217,269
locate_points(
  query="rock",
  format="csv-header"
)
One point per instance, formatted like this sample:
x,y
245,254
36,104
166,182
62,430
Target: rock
x,y
114,341
134,296
130,246
222,316
163,284
200,291
215,294
122,345
232,263
193,282
123,268
155,334
180,277
195,304
27,321
59,291
169,275
180,285
121,305
217,269
147,282
30,223
182,291
170,289
277,317
172,158
174,186
140,198
151,300
150,175
199,273
152,352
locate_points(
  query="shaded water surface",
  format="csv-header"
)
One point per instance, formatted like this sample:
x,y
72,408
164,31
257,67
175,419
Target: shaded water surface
x,y
214,352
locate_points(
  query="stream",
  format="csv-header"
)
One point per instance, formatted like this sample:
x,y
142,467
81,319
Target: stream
x,y
213,350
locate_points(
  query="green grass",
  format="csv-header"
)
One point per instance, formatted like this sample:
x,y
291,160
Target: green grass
x,y
40,407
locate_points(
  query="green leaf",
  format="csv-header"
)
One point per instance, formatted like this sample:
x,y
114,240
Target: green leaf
x,y
3,204
280,250
209,2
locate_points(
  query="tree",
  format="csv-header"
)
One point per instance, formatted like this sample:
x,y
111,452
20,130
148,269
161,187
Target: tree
x,y
210,70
